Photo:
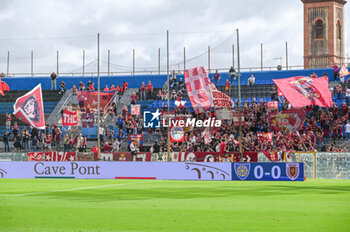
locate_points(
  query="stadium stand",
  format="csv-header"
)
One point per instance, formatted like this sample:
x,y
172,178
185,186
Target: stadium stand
x,y
254,101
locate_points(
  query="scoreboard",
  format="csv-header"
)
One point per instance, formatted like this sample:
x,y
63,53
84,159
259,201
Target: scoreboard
x,y
268,171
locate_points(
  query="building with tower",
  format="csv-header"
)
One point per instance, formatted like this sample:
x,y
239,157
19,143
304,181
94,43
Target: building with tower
x,y
323,33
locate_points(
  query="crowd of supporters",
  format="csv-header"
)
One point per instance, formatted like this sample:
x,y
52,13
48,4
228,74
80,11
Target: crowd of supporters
x,y
322,128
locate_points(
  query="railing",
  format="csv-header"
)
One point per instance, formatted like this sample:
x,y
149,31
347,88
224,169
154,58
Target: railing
x,y
149,72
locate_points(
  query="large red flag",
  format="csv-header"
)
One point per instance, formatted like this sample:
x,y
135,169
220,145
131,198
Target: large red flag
x,y
198,86
305,91
30,108
5,86
1,88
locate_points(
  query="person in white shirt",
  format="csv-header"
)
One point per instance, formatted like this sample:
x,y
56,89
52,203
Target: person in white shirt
x,y
347,96
134,149
251,80
347,130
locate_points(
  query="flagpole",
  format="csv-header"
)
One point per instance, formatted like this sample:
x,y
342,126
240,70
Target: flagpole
x,y
239,101
167,70
98,97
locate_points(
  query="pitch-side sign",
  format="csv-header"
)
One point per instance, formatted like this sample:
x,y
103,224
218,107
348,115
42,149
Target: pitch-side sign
x,y
154,170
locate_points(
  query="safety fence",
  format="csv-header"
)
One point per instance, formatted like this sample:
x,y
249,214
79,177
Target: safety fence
x,y
324,165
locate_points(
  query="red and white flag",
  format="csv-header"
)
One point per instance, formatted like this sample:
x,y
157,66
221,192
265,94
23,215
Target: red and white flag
x,y
69,118
223,105
305,91
29,108
198,86
179,103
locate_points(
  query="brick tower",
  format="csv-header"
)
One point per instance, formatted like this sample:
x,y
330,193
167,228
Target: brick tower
x,y
323,33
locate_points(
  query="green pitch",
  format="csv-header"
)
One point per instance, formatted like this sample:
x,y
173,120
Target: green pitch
x,y
123,205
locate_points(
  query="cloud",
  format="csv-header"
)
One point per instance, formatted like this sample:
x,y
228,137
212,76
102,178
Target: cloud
x,y
71,27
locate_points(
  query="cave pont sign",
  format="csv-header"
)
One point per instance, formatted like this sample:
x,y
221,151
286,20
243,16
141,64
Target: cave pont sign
x,y
323,33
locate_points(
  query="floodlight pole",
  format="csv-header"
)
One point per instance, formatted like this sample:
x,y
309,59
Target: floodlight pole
x,y
239,100
98,97
167,70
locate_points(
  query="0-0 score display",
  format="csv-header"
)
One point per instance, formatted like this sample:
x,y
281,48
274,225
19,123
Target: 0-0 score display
x,y
268,171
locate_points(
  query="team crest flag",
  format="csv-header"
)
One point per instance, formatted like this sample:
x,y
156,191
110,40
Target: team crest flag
x,y
242,170
292,170
305,91
177,134
69,118
198,87
29,108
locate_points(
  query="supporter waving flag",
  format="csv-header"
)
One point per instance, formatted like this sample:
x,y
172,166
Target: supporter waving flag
x,y
305,91
29,108
198,87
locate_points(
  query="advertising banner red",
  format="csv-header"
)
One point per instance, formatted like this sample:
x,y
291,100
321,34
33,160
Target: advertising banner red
x,y
288,120
35,156
213,157
51,156
29,108
69,118
305,91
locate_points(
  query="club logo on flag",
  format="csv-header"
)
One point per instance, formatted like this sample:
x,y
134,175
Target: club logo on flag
x,y
29,108
305,91
151,119
304,87
242,170
69,118
177,134
292,170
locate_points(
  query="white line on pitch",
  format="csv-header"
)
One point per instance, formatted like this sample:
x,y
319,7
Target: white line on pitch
x,y
74,189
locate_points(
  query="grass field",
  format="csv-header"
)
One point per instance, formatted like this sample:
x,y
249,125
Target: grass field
x,y
124,205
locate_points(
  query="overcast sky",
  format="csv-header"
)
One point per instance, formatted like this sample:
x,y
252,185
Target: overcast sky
x,y
71,27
